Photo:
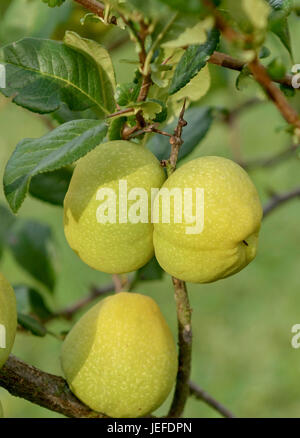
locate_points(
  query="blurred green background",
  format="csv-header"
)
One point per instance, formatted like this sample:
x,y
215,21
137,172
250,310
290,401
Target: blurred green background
x,y
242,351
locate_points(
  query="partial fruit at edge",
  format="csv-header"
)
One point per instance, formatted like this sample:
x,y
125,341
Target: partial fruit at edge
x,y
8,319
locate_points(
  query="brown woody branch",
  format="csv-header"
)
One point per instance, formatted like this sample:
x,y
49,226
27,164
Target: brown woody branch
x,y
202,395
278,199
261,76
227,61
53,393
46,390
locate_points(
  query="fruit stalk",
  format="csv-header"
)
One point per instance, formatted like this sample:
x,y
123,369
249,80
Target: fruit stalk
x,y
184,314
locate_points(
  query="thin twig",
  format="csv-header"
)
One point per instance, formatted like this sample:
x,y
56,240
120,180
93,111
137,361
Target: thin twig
x,y
272,160
280,199
120,113
202,395
69,311
43,389
150,128
48,122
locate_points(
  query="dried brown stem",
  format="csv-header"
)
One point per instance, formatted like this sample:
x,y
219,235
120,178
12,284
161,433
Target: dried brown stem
x,y
46,390
202,395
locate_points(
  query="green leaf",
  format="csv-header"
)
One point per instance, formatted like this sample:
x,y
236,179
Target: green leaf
x,y
264,52
58,148
64,114
187,6
276,69
281,29
151,108
103,60
51,187
32,325
251,16
193,60
243,79
278,23
53,3
32,247
196,34
127,94
31,301
115,128
163,114
199,121
257,12
43,74
283,6
287,90
151,271
194,90
148,8
178,27
30,18
6,221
